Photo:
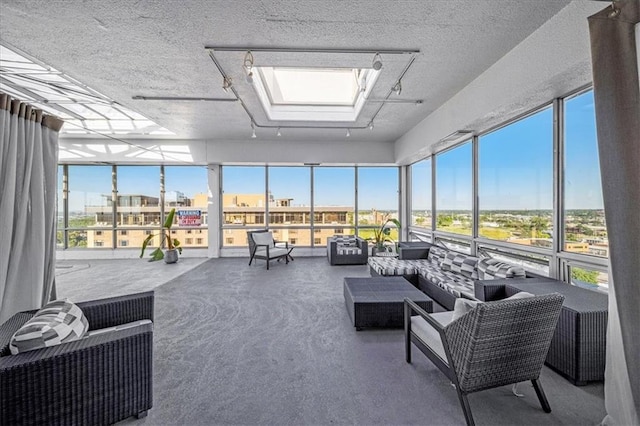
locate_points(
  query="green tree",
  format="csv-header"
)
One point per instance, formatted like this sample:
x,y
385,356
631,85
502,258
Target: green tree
x,y
538,224
444,221
585,276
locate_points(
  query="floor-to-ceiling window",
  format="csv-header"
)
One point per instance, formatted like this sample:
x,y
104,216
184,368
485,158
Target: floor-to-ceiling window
x,y
334,210
454,190
421,194
515,181
138,212
186,191
584,230
307,204
377,199
90,207
515,191
96,221
243,203
290,204
60,208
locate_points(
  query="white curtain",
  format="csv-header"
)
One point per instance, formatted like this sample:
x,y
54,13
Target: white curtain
x,y
617,104
28,180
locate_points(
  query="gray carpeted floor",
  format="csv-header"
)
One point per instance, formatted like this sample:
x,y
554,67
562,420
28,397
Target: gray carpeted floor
x,y
237,344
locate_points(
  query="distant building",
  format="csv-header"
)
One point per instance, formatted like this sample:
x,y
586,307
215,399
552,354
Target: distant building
x,y
248,212
134,212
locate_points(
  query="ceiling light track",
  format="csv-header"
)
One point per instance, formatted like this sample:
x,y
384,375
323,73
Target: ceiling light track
x,y
181,98
396,101
312,50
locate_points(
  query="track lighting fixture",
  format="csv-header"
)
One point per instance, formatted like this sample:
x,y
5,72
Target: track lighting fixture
x,y
365,78
398,88
377,62
226,84
248,66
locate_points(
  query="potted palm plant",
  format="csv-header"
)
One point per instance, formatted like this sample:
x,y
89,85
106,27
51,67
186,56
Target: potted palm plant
x,y
173,245
381,235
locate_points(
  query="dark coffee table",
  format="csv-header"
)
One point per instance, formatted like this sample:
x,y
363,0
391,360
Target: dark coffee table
x,y
379,301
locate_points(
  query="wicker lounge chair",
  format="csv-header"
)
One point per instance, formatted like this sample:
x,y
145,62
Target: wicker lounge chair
x,y
494,344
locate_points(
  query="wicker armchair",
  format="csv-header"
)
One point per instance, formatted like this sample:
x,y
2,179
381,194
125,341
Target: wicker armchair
x,y
101,379
494,344
355,252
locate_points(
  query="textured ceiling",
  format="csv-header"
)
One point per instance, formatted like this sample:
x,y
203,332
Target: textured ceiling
x,y
156,48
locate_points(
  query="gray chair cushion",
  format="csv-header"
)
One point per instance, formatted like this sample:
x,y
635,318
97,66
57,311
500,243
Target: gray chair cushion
x,y
263,238
428,334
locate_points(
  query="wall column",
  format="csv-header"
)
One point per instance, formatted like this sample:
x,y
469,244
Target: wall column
x,y
214,209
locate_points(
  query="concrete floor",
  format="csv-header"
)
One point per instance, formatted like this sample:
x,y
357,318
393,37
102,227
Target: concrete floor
x,y
81,280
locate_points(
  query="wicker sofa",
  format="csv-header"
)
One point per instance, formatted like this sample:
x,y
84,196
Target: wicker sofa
x,y
100,379
446,275
347,250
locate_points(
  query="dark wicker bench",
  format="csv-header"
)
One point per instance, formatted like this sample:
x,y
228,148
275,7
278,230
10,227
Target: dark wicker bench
x,y
379,301
578,346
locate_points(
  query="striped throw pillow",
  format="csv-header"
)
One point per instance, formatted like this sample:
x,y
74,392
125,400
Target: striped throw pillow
x,y
60,321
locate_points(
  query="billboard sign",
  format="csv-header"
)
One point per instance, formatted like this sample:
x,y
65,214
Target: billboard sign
x,y
189,217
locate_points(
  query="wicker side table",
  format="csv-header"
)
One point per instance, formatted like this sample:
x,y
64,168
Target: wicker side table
x,y
379,301
578,346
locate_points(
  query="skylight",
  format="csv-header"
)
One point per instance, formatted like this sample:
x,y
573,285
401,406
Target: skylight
x,y
313,94
311,86
84,111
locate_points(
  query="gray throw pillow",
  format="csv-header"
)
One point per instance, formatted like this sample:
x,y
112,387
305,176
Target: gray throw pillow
x,y
462,305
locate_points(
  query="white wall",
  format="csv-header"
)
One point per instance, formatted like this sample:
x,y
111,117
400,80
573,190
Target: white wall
x,y
552,61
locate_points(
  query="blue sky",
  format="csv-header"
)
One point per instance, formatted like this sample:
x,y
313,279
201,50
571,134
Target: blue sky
x,y
516,165
333,186
516,172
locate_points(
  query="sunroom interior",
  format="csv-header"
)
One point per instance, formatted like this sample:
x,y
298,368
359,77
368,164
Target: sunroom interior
x,y
471,123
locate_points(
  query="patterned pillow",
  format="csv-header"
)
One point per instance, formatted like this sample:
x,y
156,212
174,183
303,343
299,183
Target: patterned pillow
x,y
60,321
461,264
436,254
489,269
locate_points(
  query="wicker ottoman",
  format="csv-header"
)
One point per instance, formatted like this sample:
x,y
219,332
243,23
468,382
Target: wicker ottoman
x,y
379,301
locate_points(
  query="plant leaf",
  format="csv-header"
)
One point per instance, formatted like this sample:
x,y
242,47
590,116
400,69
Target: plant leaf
x,y
169,220
145,243
157,254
